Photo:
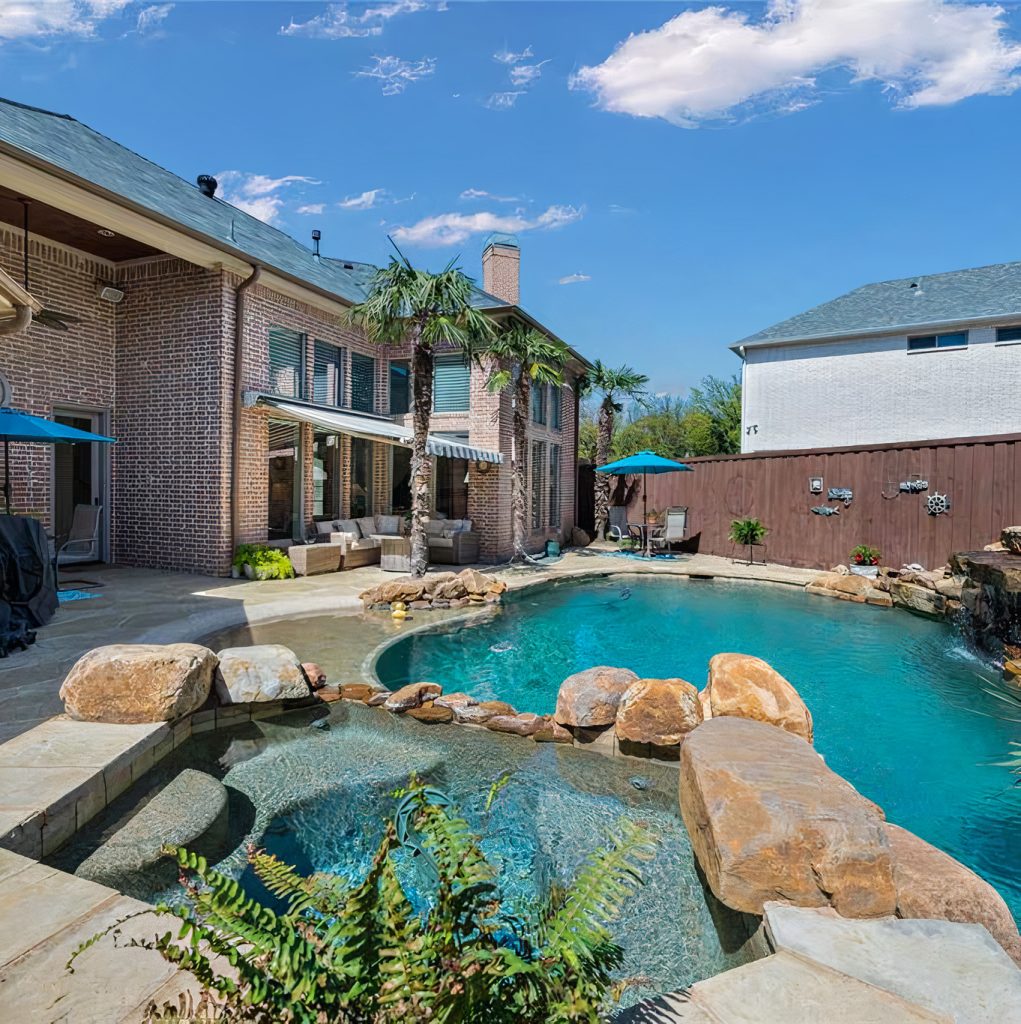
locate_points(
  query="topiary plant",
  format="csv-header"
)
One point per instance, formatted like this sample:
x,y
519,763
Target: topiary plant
x,y
747,532
362,953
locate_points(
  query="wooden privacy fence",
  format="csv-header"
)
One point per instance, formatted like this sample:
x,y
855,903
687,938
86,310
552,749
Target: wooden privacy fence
x,y
980,475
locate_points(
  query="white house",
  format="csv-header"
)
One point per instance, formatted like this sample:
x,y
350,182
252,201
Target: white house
x,y
922,358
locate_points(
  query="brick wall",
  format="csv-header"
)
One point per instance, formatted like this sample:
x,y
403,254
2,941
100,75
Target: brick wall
x,y
170,492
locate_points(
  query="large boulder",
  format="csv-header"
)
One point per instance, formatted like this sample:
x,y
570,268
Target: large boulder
x,y
249,675
931,884
131,683
769,821
412,695
590,698
845,587
1010,538
658,711
918,599
743,686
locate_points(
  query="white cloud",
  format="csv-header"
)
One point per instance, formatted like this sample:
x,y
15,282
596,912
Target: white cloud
x,y
618,209
311,208
396,74
574,279
258,194
338,22
454,228
151,18
503,100
34,19
505,56
479,193
364,201
715,64
526,74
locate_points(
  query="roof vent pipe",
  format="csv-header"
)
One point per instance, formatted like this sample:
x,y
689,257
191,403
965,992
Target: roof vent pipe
x,y
207,184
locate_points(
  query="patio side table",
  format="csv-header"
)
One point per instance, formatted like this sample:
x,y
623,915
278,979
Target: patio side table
x,y
394,552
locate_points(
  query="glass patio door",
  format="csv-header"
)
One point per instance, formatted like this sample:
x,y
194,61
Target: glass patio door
x,y
79,476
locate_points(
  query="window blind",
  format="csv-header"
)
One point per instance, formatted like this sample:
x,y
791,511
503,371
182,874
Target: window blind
x,y
363,382
451,384
286,362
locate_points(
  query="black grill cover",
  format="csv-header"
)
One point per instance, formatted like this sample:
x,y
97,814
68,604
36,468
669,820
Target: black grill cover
x,y
28,586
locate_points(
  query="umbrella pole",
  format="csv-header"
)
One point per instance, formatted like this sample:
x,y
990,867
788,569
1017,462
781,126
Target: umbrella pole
x,y
7,474
645,512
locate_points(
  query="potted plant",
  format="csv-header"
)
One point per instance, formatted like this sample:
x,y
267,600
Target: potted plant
x,y
748,532
261,562
865,561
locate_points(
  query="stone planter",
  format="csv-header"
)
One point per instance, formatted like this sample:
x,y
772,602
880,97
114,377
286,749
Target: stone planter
x,y
871,571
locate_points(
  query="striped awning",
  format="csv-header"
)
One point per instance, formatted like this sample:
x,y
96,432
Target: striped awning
x,y
373,428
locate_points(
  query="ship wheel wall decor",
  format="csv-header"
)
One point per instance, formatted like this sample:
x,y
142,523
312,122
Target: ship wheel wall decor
x,y
936,504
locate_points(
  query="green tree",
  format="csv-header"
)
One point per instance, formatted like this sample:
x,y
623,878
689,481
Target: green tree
x,y
408,306
720,400
615,386
365,953
522,357
587,432
747,532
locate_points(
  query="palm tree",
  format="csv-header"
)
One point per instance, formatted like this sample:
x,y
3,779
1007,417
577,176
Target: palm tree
x,y
749,532
522,357
424,310
615,385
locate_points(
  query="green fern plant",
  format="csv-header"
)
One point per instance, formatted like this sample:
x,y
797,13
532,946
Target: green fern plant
x,y
362,954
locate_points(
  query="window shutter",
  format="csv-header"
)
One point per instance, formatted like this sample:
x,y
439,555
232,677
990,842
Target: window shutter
x,y
363,382
451,384
286,362
554,405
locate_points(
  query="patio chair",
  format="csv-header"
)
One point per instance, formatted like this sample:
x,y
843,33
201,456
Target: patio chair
x,y
82,542
675,528
618,528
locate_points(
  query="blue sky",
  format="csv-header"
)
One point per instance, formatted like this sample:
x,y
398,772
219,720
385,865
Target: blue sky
x,y
678,176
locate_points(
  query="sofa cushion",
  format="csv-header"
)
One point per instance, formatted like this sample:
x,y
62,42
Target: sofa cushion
x,y
441,542
367,526
347,526
363,544
466,525
325,528
435,527
389,524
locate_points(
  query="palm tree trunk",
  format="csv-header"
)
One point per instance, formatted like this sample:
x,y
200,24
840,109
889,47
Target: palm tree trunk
x,y
421,464
604,438
519,463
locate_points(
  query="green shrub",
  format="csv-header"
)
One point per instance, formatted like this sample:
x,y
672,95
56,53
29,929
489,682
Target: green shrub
x,y
360,953
748,532
267,563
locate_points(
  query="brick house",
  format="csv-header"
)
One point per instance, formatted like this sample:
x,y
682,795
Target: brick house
x,y
217,350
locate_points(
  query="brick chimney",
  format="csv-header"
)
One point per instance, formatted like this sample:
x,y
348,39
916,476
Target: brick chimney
x,y
501,264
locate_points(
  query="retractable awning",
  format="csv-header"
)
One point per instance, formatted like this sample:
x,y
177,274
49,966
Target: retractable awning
x,y
374,428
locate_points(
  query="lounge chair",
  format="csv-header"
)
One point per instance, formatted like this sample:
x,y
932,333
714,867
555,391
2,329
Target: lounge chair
x,y
675,528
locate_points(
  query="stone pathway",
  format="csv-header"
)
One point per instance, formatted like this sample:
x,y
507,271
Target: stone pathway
x,y
831,970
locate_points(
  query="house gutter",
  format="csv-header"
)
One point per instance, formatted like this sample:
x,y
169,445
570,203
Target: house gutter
x,y
239,366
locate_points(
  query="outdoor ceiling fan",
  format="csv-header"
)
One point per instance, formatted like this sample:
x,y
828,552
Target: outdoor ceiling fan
x,y
45,317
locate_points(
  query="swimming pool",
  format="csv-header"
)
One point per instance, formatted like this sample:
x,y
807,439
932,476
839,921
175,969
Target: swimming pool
x,y
899,702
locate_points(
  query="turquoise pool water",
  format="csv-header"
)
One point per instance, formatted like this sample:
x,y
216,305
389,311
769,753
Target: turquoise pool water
x,y
899,702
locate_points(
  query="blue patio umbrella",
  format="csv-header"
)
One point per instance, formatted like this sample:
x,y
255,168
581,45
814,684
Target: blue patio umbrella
x,y
16,425
645,463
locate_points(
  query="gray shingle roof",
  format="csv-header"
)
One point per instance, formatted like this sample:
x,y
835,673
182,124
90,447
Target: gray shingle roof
x,y
60,140
957,296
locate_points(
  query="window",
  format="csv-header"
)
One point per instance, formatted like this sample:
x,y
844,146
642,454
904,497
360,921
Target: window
x,y
400,387
451,477
400,478
1008,333
451,380
928,341
328,374
363,382
554,407
325,476
538,469
283,512
538,404
361,477
554,486
286,362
